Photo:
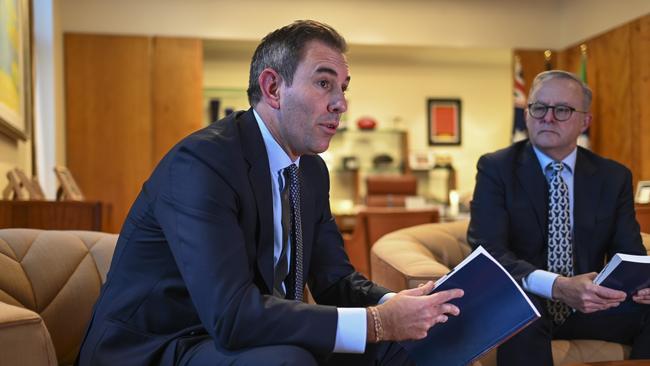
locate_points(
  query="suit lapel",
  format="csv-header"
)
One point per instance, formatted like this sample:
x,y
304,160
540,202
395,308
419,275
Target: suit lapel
x,y
531,178
259,177
586,189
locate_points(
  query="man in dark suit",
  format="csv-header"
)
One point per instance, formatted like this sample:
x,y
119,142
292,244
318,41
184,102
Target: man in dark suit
x,y
552,213
212,259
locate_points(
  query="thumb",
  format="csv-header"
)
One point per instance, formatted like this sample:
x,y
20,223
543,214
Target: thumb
x,y
420,290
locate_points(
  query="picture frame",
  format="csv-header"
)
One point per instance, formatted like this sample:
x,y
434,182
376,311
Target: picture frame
x,y
642,195
421,160
444,121
16,90
69,190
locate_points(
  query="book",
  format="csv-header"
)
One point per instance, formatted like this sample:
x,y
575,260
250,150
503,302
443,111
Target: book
x,y
626,272
493,309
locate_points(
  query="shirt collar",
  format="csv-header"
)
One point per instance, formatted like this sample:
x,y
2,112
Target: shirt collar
x,y
278,158
545,160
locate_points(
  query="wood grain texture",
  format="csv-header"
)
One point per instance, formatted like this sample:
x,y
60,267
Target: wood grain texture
x,y
177,84
50,215
108,117
640,80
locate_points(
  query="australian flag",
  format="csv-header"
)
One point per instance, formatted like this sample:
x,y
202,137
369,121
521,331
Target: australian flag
x,y
519,126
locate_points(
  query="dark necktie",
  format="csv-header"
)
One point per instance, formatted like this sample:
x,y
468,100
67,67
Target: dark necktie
x,y
291,229
560,251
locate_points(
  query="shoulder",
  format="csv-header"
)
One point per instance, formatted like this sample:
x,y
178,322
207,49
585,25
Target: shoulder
x,y
602,165
506,156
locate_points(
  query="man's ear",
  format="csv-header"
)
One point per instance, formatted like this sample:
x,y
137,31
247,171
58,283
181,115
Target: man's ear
x,y
270,81
586,122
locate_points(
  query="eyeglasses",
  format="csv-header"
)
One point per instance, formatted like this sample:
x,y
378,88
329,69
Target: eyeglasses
x,y
560,112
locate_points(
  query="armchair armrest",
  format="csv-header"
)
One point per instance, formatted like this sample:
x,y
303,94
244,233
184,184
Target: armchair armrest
x,y
24,338
398,264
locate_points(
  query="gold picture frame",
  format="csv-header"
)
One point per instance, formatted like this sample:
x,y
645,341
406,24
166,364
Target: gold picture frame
x,y
15,69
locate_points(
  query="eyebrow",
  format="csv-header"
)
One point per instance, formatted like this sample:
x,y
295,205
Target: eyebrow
x,y
329,70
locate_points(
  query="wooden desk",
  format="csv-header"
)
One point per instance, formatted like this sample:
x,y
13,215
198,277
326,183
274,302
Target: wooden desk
x,y
53,215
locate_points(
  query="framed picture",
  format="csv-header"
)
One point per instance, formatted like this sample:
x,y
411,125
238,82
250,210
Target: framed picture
x,y
69,190
642,192
443,116
421,160
15,68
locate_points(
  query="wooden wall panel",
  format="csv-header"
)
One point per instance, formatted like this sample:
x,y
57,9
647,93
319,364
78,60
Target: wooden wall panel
x,y
640,79
128,100
108,117
609,56
177,82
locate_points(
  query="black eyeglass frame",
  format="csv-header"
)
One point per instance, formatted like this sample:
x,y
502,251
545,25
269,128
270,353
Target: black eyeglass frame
x,y
553,108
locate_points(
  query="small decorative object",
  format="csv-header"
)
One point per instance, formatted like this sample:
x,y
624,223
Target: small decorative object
x,y
642,192
68,191
366,123
444,121
350,163
382,161
442,179
421,160
14,189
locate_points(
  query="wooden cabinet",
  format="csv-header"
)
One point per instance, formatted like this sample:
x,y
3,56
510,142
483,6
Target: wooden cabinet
x,y
128,100
50,215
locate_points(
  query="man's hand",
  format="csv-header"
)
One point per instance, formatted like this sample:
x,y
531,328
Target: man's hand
x,y
409,314
579,292
642,296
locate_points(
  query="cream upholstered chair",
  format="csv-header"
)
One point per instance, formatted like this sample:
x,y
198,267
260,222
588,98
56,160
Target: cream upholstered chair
x,y
407,257
49,282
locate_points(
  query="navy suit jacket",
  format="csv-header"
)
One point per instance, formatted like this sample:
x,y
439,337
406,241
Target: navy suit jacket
x,y
510,208
195,257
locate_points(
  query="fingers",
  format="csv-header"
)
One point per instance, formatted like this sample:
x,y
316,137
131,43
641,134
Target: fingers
x,y
609,294
444,296
642,296
421,290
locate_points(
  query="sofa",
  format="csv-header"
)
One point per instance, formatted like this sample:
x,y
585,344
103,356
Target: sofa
x,y
407,257
49,282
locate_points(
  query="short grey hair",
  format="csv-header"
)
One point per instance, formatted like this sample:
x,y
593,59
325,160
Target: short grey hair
x,y
561,74
283,49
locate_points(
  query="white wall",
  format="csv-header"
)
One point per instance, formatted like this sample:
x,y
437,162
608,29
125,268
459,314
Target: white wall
x,y
467,23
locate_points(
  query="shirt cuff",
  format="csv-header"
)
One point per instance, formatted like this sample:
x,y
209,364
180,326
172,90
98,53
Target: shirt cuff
x,y
540,283
386,297
351,330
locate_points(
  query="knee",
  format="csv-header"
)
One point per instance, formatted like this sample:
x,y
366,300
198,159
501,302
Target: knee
x,y
295,356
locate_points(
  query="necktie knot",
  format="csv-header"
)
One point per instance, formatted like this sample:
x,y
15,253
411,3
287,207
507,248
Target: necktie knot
x,y
556,166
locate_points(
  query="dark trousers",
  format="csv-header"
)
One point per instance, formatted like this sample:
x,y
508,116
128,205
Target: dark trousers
x,y
205,353
629,324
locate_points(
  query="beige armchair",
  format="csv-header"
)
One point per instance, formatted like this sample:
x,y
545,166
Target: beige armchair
x,y
407,257
49,282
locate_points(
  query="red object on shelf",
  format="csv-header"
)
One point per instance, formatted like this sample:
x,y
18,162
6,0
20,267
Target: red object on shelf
x,y
366,123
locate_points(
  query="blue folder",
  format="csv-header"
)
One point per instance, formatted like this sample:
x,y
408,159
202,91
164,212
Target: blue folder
x,y
493,309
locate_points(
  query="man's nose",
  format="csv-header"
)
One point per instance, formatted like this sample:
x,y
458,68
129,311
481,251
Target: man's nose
x,y
338,105
549,116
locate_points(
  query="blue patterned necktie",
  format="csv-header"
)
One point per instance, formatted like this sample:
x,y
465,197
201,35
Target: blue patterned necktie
x,y
292,228
560,251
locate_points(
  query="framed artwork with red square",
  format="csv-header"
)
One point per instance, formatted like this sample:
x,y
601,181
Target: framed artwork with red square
x,y
444,121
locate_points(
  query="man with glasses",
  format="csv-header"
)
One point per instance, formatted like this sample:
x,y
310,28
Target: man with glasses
x,y
553,213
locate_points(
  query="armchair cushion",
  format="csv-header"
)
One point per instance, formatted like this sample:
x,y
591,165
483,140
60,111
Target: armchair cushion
x,y
54,277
